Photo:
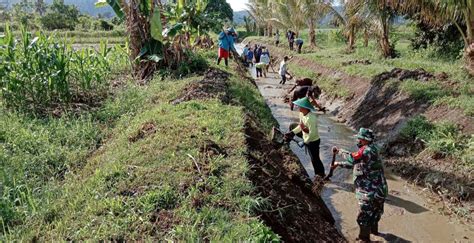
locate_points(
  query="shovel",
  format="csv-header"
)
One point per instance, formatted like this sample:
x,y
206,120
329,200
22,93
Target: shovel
x,y
277,136
331,171
334,153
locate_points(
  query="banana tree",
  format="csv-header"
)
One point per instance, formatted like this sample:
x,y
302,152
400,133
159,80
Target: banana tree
x,y
152,41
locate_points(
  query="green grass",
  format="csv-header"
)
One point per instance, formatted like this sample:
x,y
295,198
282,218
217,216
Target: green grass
x,y
88,37
441,137
426,91
144,189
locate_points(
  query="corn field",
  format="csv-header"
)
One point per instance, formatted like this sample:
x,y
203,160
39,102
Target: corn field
x,y
38,72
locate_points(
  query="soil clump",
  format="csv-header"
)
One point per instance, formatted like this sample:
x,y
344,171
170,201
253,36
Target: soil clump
x,y
212,86
404,74
352,62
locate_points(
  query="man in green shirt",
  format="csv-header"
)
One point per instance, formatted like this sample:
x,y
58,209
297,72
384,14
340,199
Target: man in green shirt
x,y
307,128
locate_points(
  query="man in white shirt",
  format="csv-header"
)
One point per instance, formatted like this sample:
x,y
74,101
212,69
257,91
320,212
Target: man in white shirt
x,y
284,70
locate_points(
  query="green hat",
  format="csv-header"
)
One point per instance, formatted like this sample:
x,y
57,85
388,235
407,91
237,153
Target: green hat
x,y
365,134
304,103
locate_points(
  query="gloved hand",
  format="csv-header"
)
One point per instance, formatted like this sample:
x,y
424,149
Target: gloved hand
x,y
323,109
289,136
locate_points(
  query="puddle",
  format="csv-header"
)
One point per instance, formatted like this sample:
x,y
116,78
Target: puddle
x,y
408,214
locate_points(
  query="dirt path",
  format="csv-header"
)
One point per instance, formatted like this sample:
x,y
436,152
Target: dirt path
x,y
408,216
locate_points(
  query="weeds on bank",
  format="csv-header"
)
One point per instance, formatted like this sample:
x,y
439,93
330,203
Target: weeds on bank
x,y
442,138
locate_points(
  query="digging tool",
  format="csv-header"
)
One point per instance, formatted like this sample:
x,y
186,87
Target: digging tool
x,y
278,137
335,150
334,153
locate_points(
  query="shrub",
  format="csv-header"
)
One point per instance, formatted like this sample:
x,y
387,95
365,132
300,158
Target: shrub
x,y
195,63
417,127
444,138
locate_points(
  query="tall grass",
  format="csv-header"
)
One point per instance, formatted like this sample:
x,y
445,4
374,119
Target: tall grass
x,y
443,138
38,71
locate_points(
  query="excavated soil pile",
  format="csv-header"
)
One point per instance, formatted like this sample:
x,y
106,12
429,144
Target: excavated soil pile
x,y
363,62
212,86
403,74
297,214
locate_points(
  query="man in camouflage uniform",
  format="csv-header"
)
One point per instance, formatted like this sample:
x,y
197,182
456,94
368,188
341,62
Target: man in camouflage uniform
x,y
369,181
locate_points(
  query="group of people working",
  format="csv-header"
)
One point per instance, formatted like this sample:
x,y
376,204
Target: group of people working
x,y
258,55
369,180
294,39
370,184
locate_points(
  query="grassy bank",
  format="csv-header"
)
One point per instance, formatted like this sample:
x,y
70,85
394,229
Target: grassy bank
x,y
128,170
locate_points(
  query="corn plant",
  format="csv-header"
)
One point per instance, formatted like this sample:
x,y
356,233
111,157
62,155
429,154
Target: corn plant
x,y
38,72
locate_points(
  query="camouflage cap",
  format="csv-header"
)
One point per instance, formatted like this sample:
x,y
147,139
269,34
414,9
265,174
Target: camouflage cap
x,y
366,134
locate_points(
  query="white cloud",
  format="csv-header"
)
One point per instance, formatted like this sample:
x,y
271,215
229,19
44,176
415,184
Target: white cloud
x,y
238,5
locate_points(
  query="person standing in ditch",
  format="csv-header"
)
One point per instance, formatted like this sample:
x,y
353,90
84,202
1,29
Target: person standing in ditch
x,y
370,184
299,44
226,45
310,91
284,70
307,128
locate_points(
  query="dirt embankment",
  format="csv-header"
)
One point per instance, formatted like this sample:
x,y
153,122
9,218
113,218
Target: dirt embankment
x,y
379,104
294,212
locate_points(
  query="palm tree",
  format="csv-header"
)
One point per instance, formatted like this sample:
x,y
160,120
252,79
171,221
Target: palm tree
x,y
379,14
312,11
438,12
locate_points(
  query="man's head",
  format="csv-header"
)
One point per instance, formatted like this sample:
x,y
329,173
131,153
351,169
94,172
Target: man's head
x,y
315,91
304,105
286,58
304,110
365,136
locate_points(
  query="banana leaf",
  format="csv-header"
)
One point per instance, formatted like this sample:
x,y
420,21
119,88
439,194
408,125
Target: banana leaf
x,y
156,27
115,4
173,30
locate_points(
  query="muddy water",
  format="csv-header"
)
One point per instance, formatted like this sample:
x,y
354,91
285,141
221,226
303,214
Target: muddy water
x,y
409,216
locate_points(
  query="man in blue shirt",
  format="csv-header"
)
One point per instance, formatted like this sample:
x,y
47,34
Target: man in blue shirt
x,y
226,45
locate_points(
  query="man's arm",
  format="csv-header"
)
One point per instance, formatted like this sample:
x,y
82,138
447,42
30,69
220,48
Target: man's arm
x,y
221,35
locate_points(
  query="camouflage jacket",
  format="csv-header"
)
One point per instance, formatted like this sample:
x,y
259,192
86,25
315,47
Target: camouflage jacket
x,y
369,178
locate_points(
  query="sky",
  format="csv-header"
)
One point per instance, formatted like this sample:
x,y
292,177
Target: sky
x,y
238,5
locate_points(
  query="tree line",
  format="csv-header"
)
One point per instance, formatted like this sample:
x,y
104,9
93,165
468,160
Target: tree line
x,y
374,18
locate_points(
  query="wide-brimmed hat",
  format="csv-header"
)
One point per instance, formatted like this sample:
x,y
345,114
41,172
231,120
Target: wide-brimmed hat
x,y
366,134
304,103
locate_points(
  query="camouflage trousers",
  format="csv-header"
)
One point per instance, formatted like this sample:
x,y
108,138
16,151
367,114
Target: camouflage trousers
x,y
370,211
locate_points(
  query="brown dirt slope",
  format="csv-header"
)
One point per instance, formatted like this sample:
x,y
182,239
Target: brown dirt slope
x,y
297,214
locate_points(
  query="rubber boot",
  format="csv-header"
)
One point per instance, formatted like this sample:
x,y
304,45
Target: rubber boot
x,y
374,229
364,234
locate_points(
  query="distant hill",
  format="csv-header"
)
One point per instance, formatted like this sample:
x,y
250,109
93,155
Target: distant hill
x,y
239,16
85,6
